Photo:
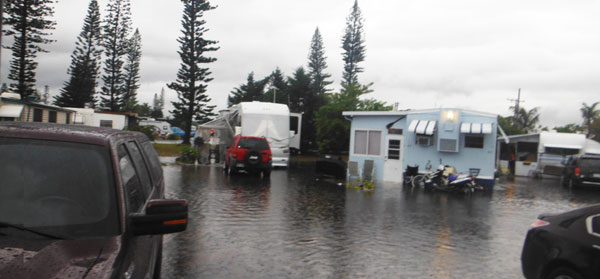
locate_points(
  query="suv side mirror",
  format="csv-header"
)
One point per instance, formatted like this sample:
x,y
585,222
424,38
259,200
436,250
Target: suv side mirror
x,y
161,217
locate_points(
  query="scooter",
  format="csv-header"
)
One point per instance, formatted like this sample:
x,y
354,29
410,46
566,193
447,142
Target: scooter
x,y
446,179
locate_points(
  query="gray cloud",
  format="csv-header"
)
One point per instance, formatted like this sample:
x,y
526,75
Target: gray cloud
x,y
468,53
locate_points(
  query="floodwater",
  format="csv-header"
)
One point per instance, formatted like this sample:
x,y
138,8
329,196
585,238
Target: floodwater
x,y
293,226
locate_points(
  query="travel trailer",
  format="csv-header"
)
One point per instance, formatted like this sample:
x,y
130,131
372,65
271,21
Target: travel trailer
x,y
542,154
258,119
162,127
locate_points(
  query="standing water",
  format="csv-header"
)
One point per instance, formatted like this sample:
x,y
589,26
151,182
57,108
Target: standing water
x,y
293,226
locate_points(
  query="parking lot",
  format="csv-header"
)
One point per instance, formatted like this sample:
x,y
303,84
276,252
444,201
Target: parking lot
x,y
293,226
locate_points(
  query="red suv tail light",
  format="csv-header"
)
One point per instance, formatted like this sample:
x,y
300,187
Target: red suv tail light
x,y
577,171
539,223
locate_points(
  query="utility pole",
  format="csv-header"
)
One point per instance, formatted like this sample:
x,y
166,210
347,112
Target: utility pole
x,y
517,102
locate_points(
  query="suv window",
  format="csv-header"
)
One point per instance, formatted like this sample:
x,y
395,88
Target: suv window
x,y
253,143
140,167
61,187
155,167
131,182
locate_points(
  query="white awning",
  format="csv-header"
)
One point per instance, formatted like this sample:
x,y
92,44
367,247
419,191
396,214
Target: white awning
x,y
564,146
11,110
424,127
476,128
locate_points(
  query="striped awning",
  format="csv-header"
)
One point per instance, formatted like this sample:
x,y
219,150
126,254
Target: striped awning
x,y
423,127
476,128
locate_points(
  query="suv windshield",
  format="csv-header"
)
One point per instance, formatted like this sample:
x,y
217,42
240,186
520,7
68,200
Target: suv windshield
x,y
253,143
57,187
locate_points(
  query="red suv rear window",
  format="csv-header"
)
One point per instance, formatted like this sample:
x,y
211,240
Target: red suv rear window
x,y
253,143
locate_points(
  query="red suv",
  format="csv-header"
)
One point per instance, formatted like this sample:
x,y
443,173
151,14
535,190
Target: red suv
x,y
252,154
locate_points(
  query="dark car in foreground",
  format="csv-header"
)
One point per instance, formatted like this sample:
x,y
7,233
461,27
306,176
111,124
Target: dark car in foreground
x,y
581,169
82,202
563,246
252,154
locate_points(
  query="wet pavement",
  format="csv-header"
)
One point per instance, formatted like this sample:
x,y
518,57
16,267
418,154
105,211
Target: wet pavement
x,y
292,226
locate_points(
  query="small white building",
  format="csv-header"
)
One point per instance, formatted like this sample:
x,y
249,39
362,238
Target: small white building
x,y
91,117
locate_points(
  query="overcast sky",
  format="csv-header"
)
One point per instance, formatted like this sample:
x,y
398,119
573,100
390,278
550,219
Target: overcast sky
x,y
472,54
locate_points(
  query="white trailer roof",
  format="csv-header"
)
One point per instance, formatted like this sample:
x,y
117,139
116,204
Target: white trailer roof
x,y
263,108
11,110
561,140
591,147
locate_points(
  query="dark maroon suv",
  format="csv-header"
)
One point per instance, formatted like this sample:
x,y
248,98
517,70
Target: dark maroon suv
x,y
82,202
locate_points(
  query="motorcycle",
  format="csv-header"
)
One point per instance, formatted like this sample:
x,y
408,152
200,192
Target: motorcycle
x,y
445,178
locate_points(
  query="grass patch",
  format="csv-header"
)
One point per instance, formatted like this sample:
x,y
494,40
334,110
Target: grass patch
x,y
169,150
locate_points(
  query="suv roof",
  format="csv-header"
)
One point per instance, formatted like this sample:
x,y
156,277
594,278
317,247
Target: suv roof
x,y
62,132
588,156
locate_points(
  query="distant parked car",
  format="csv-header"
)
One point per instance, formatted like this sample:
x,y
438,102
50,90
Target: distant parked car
x,y
252,154
181,133
81,201
563,246
581,169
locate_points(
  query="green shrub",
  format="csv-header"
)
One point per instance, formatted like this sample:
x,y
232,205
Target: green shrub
x,y
149,131
173,137
188,155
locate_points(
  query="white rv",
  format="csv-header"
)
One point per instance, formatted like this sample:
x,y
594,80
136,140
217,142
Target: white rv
x,y
269,120
258,119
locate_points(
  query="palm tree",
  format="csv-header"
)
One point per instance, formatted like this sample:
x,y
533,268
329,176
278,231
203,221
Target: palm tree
x,y
589,113
527,120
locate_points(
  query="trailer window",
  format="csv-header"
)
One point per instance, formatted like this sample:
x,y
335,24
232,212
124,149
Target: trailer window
x,y
561,151
527,151
367,142
474,141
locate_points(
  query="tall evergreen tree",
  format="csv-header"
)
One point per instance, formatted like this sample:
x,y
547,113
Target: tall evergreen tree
x,y
192,80
353,46
303,98
132,72
116,29
317,64
28,21
333,131
251,91
85,63
278,91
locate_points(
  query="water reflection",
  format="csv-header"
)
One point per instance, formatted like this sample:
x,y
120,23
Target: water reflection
x,y
293,226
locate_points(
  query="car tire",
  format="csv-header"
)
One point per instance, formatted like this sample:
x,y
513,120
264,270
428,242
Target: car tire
x,y
563,273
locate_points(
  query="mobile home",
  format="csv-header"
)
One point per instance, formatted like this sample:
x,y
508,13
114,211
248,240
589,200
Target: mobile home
x,y
543,153
394,140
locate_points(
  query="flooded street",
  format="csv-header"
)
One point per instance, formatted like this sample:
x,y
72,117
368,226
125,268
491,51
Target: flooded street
x,y
292,226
